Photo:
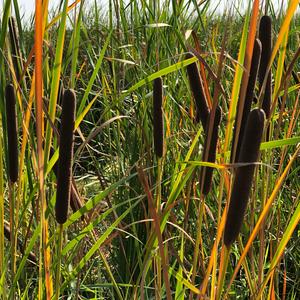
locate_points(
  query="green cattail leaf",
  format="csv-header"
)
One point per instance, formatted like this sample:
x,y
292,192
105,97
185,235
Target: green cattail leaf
x,y
160,73
94,75
55,78
75,45
280,143
157,25
236,84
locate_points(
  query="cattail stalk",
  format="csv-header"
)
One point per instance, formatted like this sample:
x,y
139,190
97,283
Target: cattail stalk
x,y
208,172
255,62
244,175
59,250
202,110
265,36
65,156
158,121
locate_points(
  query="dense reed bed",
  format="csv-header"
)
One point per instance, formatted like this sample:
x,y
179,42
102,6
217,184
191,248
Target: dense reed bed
x,y
179,163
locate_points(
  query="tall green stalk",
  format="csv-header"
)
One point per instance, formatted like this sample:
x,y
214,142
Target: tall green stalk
x,y
58,266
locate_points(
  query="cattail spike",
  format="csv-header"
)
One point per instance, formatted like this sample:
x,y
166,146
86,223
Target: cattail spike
x,y
65,156
196,85
265,36
248,99
211,152
244,175
75,202
158,121
12,135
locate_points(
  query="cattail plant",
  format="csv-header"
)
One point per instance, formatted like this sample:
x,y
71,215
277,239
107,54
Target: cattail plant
x,y
65,156
12,135
202,110
158,121
244,175
208,172
265,36
255,62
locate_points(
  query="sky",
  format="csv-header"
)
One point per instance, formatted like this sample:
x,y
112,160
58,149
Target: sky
x,y
27,6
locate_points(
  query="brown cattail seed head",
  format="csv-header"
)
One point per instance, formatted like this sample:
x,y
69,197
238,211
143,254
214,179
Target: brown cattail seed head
x,y
158,121
198,92
244,175
12,136
265,36
249,97
65,156
74,202
211,152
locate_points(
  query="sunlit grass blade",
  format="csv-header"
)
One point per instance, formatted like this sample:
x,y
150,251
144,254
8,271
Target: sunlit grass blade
x,y
184,282
75,45
239,104
280,143
94,75
160,73
38,47
55,78
60,16
236,84
281,35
